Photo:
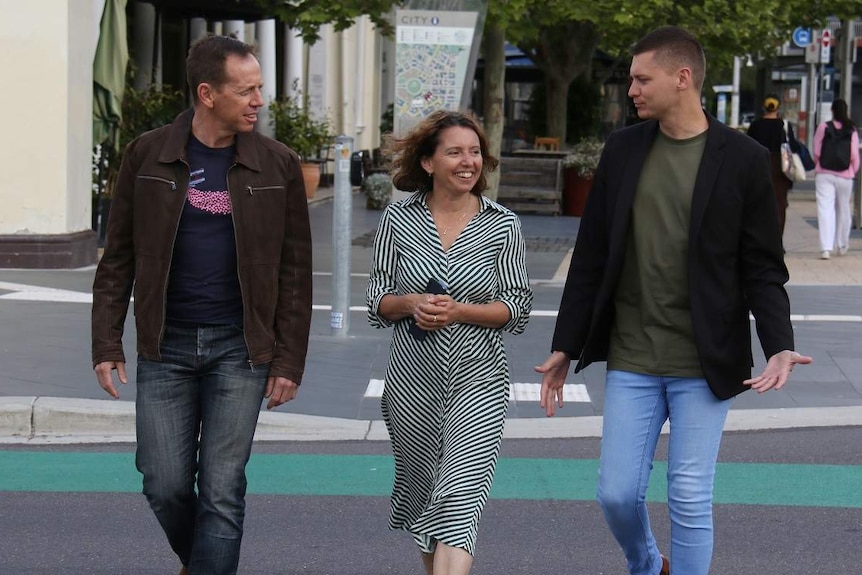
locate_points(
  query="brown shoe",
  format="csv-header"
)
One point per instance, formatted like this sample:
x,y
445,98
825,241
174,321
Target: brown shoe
x,y
184,571
665,566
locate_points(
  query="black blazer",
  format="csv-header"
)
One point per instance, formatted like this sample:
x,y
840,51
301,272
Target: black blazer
x,y
735,258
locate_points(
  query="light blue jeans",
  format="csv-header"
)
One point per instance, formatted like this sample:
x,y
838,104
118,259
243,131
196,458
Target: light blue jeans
x,y
636,406
197,411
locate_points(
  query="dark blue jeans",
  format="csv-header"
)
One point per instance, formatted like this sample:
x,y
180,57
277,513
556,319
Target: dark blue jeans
x,y
197,411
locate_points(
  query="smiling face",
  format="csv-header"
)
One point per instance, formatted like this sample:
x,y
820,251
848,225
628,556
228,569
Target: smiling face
x,y
457,161
655,90
234,105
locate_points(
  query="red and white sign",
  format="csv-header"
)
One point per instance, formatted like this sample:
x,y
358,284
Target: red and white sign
x,y
825,46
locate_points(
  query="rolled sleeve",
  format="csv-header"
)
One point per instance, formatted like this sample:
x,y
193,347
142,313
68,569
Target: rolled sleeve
x,y
381,281
515,291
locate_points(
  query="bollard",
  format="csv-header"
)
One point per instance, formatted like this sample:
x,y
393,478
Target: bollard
x,y
339,319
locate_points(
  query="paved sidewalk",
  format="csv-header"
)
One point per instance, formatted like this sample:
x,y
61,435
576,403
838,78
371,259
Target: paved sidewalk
x,y
803,246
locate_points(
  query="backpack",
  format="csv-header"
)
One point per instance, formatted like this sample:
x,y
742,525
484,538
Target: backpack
x,y
835,149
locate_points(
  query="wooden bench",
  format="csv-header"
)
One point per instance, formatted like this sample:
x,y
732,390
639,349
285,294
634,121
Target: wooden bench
x,y
531,185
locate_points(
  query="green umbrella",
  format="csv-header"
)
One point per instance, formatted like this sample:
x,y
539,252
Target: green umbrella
x,y
109,74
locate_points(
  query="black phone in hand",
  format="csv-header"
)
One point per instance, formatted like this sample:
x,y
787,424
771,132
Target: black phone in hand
x,y
436,287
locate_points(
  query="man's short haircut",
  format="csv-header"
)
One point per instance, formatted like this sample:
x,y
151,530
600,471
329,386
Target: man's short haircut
x,y
675,48
205,63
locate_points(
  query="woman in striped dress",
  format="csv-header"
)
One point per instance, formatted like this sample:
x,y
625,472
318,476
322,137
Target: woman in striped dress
x,y
447,381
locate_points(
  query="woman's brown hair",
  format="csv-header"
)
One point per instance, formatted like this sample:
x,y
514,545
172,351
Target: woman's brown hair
x,y
407,153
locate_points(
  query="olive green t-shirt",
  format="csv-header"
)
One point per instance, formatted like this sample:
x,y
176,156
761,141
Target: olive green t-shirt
x,y
653,332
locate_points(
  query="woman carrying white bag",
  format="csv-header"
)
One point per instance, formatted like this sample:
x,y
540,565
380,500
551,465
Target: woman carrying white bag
x,y
769,131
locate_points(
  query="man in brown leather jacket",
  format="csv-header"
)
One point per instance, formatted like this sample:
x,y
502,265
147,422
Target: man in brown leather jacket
x,y
209,225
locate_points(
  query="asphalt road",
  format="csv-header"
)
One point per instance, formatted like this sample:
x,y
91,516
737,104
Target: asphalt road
x,y
786,502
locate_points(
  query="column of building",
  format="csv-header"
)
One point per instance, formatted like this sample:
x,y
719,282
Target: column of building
x,y
46,151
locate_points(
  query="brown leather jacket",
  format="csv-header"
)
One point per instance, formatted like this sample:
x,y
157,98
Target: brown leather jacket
x,y
273,243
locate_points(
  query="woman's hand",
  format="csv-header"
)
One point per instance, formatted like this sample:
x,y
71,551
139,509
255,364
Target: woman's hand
x,y
435,312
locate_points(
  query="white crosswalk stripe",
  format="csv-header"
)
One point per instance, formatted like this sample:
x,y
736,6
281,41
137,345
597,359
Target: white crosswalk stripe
x,y
572,393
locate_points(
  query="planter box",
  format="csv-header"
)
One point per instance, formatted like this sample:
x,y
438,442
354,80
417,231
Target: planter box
x,y
575,192
529,184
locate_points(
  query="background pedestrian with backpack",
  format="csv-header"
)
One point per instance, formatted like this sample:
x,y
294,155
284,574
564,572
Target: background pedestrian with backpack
x,y
836,152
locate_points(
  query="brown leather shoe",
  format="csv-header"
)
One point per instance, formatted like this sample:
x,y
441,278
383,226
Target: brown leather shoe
x,y
184,571
665,566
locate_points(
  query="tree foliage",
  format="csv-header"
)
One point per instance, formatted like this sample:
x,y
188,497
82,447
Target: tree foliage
x,y
726,28
307,16
560,36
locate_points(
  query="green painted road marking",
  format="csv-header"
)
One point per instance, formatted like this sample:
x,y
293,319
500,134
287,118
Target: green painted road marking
x,y
371,475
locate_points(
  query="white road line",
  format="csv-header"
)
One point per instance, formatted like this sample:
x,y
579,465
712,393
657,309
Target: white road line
x,y
375,388
572,393
563,269
23,292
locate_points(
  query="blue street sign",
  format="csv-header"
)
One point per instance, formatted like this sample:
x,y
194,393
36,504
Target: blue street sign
x,y
802,37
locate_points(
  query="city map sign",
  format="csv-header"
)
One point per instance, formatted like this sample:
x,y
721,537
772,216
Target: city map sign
x,y
432,56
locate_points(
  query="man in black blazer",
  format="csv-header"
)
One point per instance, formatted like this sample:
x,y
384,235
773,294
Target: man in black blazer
x,y
679,241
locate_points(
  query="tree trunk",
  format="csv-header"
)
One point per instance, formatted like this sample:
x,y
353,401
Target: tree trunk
x,y
556,100
563,53
493,97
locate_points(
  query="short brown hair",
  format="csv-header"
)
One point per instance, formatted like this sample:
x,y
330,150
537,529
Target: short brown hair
x,y
675,48
421,142
206,59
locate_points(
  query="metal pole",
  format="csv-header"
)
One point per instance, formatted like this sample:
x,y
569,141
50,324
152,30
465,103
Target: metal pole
x,y
847,49
339,319
813,105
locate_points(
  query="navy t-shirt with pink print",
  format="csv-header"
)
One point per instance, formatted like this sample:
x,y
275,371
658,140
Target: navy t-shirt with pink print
x,y
203,287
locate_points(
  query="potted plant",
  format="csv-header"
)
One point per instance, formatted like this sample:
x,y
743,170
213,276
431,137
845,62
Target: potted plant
x,y
580,165
378,190
142,110
306,135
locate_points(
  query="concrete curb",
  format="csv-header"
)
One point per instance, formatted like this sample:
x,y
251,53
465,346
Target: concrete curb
x,y
38,420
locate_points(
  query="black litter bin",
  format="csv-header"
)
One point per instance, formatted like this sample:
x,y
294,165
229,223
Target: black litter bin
x,y
357,167
359,161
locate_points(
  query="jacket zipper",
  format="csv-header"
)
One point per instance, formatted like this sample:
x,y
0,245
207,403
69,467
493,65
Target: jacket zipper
x,y
170,258
238,276
172,183
261,188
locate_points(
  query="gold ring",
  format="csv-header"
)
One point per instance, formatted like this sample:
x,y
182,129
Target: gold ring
x,y
435,319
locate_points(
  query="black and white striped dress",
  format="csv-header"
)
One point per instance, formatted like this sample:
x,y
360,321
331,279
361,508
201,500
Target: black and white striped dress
x,y
445,397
